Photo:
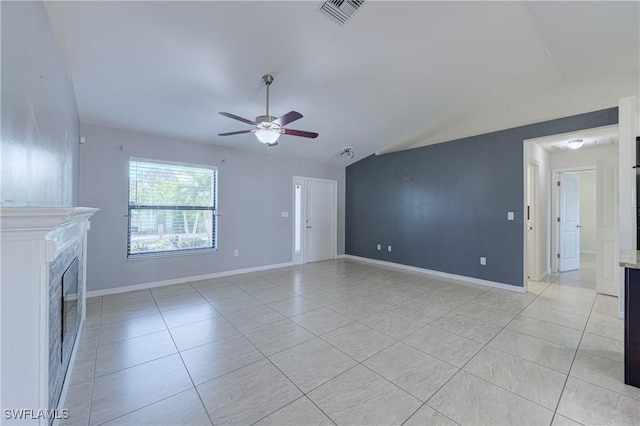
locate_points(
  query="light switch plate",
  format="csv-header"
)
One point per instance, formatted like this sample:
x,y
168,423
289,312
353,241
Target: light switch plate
x,y
284,214
483,260
510,216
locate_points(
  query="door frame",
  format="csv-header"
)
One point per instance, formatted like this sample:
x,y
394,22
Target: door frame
x,y
555,210
301,258
533,213
603,234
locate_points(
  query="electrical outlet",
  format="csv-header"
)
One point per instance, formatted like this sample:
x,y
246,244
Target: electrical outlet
x,y
510,216
236,253
379,247
483,260
388,248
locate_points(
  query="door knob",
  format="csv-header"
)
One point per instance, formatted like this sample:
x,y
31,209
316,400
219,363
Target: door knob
x,y
309,226
578,226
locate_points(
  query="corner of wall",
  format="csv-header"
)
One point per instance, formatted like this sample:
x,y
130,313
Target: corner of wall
x,y
40,123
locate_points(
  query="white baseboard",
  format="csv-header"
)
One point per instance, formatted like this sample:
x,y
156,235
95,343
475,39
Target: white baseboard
x,y
341,256
544,275
145,286
438,273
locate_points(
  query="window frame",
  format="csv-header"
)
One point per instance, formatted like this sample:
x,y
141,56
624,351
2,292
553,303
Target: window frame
x,y
213,209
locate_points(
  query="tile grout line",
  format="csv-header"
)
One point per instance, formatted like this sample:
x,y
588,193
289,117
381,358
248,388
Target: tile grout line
x,y
93,377
352,320
166,356
179,352
483,347
400,341
555,412
458,368
304,394
195,388
347,370
265,357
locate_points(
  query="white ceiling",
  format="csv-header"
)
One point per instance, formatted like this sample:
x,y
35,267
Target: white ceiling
x,y
592,138
397,73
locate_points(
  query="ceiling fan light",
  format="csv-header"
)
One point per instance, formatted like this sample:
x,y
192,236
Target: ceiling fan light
x,y
576,143
267,136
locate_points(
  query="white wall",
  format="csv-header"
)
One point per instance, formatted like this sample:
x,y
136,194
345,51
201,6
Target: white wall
x,y
39,130
588,211
253,191
583,157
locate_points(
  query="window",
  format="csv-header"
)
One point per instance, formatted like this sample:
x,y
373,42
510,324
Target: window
x,y
172,207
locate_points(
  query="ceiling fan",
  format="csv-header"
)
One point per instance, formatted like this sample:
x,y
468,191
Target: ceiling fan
x,y
269,128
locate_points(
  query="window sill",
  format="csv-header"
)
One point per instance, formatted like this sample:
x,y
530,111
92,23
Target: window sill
x,y
145,256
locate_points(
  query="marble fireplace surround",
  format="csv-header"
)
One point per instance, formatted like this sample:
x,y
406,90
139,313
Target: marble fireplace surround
x,y
36,246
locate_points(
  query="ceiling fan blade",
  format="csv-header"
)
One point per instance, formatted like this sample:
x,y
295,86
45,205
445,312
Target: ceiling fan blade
x,y
289,117
235,117
234,133
299,133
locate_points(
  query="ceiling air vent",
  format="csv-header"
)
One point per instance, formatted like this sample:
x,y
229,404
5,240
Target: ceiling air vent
x,y
340,11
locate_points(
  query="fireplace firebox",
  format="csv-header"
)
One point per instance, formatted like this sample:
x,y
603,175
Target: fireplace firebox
x,y
69,307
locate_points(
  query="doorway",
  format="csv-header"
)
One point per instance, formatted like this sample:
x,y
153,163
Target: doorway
x,y
589,257
583,262
569,226
576,226
315,219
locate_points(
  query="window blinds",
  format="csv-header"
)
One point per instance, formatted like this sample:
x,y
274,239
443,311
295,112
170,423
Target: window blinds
x,y
172,207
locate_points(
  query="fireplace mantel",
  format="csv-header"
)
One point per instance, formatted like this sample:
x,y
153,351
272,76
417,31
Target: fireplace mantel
x,y
40,219
31,238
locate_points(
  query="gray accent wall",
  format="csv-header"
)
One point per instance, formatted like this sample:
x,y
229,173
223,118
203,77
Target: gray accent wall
x,y
253,191
39,129
441,207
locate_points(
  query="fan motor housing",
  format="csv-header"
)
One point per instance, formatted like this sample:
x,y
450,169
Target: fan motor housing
x,y
266,122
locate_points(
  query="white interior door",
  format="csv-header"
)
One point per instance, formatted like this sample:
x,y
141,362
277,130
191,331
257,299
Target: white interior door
x,y
569,221
320,221
607,224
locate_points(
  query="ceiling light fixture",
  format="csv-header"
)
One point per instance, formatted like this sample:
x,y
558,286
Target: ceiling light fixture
x,y
576,143
268,136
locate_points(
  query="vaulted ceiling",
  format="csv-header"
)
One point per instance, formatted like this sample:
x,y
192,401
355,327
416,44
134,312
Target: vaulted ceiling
x,y
397,75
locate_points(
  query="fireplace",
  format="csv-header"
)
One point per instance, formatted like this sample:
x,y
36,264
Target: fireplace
x,y
44,259
69,306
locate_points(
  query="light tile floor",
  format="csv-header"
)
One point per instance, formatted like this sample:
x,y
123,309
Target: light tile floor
x,y
350,343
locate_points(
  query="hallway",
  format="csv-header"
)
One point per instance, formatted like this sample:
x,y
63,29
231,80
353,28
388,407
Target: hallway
x,y
585,277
